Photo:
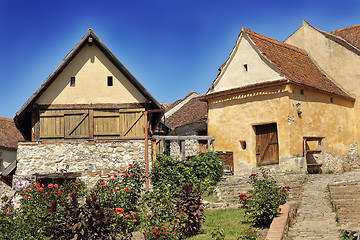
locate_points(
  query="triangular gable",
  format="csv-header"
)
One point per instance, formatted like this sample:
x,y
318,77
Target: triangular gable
x,y
23,116
291,63
245,66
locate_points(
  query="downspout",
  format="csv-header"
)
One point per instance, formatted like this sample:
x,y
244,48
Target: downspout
x,y
146,151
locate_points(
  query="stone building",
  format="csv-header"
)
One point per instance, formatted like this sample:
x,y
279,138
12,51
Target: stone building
x,y
293,105
91,116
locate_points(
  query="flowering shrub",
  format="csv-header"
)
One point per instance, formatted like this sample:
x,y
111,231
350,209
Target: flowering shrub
x,y
159,233
248,234
262,203
52,211
189,212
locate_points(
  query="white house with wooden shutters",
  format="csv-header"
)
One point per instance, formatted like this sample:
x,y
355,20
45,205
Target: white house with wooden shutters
x,y
91,116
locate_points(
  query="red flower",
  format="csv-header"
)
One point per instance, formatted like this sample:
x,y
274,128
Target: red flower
x,y
127,216
138,170
56,186
28,190
30,196
127,189
109,175
125,171
119,171
59,192
40,189
78,184
100,175
112,179
252,175
102,183
115,175
25,196
116,191
131,175
119,210
20,184
130,165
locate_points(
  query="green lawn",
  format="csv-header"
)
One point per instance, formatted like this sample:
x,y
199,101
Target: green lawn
x,y
228,219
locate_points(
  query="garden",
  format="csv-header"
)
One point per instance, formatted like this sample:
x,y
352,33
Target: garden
x,y
118,205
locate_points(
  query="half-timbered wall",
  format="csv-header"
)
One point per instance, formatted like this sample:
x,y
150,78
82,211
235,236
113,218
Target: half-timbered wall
x,y
90,124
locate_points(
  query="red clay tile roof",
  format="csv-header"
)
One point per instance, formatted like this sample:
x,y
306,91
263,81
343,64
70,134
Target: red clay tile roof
x,y
9,134
193,111
172,105
294,63
350,34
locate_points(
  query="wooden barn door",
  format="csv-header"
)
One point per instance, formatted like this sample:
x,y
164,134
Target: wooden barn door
x,y
76,124
267,148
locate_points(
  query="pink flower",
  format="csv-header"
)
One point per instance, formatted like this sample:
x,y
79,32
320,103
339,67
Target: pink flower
x,y
127,189
115,175
102,183
7,212
56,186
28,190
78,184
109,192
112,179
40,189
255,231
50,185
125,171
131,175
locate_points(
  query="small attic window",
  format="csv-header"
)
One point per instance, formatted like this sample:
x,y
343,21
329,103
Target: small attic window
x,y
331,99
302,91
110,81
72,82
245,67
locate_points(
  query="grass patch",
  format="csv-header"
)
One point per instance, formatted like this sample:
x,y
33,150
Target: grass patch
x,y
231,220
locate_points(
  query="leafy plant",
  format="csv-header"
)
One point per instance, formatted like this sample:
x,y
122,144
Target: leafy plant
x,y
218,234
248,234
159,233
189,212
262,203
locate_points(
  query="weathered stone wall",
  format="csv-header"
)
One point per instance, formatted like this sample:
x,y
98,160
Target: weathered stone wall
x,y
191,148
91,158
337,163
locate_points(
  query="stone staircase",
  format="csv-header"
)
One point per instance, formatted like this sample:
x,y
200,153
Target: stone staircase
x,y
229,188
345,199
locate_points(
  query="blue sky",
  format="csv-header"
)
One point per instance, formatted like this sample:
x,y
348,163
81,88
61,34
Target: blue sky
x,y
170,46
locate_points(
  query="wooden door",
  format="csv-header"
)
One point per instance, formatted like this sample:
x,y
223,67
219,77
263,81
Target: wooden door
x,y
267,148
76,124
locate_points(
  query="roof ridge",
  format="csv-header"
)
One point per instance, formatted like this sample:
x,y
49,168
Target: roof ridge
x,y
273,40
345,28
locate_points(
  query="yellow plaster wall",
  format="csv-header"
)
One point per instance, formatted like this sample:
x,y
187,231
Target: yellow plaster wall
x,y
231,119
321,118
340,64
91,69
234,74
7,156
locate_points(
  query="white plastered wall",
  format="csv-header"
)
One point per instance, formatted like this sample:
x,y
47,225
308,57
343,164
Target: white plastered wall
x,y
234,74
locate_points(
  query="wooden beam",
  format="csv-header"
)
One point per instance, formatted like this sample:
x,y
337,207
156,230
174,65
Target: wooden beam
x,y
180,138
92,106
91,123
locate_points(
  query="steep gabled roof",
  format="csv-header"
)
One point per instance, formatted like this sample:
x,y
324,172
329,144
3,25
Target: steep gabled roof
x,y
90,36
350,34
339,39
291,62
192,112
294,63
9,134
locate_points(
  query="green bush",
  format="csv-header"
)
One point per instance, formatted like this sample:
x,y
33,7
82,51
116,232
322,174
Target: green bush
x,y
248,234
205,170
262,203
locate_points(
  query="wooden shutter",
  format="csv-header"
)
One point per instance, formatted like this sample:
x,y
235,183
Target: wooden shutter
x,y
267,149
132,123
106,123
76,123
51,124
